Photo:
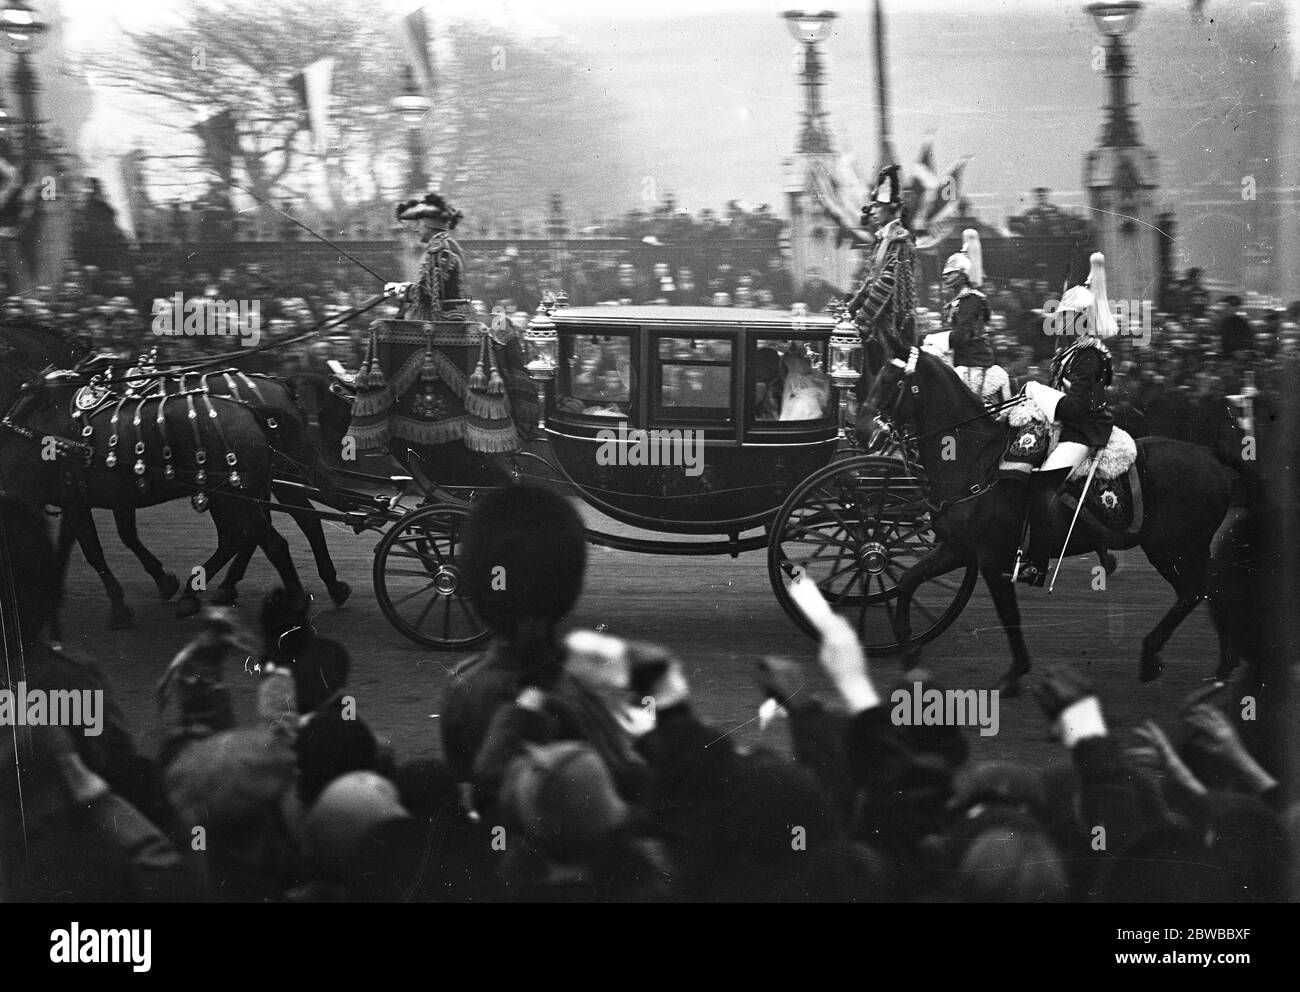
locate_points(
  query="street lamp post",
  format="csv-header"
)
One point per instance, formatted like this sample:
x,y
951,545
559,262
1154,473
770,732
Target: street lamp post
x,y
413,106
1119,173
811,29
1115,20
23,31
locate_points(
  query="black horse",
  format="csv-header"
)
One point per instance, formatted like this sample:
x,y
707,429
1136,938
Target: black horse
x,y
295,459
130,454
979,520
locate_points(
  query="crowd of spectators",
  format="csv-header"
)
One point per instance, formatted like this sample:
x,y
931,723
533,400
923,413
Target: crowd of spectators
x,y
577,767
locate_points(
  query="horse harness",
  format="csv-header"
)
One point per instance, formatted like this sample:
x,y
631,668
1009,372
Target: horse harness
x,y
91,403
907,382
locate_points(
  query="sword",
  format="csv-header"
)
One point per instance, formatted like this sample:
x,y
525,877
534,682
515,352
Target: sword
x,y
1096,460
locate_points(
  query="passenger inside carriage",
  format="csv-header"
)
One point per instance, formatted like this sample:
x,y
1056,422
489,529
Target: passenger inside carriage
x,y
789,384
598,380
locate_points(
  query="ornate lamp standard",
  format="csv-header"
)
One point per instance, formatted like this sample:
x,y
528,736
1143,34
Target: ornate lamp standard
x,y
1120,174
811,29
23,31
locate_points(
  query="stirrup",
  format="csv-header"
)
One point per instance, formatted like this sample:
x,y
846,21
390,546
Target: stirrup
x,y
1027,571
1032,575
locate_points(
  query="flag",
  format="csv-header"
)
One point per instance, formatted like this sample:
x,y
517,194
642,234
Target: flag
x,y
220,138
835,192
413,37
312,86
939,206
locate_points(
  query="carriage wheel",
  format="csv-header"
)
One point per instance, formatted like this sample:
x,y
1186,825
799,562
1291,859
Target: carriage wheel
x,y
854,528
418,580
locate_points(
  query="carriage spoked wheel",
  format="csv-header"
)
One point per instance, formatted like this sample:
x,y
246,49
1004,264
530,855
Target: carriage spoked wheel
x,y
854,527
418,580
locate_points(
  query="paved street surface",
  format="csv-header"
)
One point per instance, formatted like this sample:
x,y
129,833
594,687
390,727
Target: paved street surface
x,y
717,613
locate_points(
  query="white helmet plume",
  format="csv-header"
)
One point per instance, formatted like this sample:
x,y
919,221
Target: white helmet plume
x,y
970,241
1103,321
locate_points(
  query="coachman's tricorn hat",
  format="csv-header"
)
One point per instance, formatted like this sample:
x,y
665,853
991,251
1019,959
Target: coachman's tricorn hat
x,y
433,207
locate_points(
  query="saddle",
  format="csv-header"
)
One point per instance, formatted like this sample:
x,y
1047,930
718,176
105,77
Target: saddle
x,y
1033,438
1115,502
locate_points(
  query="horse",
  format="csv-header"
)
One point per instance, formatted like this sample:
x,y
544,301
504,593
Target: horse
x,y
122,453
294,458
979,518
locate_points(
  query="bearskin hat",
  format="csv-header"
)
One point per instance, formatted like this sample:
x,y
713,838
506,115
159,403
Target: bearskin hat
x,y
432,207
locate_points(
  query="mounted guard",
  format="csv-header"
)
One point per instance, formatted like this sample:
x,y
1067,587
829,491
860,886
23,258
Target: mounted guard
x,y
966,320
1076,400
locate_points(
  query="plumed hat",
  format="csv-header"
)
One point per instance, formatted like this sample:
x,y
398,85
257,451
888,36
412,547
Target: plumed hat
x,y
1089,300
433,207
1103,321
970,260
887,187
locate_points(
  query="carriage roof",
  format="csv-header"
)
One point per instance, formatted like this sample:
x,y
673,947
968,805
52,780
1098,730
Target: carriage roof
x,y
766,321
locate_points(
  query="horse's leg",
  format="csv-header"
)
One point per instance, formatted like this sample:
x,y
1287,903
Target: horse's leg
x,y
310,525
81,521
1185,569
276,549
940,561
166,581
1108,561
62,554
1228,653
228,591
1003,591
230,541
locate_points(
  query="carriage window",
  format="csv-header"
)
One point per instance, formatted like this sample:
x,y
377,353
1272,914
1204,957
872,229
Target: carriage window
x,y
595,374
695,378
789,381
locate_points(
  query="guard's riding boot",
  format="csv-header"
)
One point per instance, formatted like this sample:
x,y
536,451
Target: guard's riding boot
x,y
1033,559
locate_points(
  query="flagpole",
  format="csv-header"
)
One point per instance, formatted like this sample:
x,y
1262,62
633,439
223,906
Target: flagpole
x,y
887,156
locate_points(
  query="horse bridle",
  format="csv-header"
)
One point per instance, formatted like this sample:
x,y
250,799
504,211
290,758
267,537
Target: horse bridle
x,y
887,420
907,379
64,447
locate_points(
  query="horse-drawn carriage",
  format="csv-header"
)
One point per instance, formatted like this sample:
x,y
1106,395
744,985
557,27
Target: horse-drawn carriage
x,y
722,427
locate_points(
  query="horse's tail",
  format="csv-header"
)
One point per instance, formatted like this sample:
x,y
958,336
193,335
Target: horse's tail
x,y
1249,484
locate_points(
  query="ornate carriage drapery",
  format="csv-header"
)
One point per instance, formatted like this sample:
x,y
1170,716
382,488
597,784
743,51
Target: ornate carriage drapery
x,y
437,381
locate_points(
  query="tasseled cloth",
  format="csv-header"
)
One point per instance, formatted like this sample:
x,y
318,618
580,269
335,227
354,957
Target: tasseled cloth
x,y
430,396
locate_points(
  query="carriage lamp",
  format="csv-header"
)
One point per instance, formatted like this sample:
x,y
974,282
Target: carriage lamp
x,y
543,343
846,363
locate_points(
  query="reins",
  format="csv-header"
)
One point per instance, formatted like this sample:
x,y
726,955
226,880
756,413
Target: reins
x,y
907,381
179,366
